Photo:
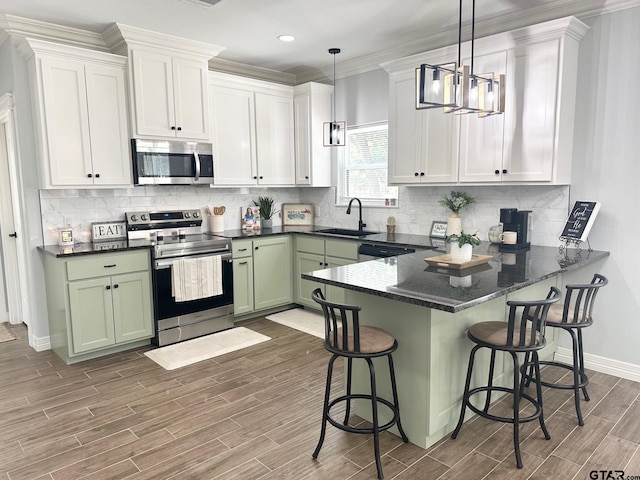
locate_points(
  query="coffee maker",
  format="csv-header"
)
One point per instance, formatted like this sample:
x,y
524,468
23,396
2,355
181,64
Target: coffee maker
x,y
519,222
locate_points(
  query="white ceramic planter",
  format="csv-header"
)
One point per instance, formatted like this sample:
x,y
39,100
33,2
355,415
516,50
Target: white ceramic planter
x,y
461,254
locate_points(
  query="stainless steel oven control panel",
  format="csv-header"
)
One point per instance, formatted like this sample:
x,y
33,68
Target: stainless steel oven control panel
x,y
160,219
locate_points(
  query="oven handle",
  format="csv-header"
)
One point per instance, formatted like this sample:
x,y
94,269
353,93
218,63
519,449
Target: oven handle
x,y
167,262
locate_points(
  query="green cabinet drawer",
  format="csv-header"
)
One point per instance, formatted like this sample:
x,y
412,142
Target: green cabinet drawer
x,y
342,249
309,244
98,265
241,248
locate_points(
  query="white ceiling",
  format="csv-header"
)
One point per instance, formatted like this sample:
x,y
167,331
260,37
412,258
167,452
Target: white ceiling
x,y
361,28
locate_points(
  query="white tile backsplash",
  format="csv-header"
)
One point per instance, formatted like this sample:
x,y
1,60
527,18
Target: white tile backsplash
x,y
79,208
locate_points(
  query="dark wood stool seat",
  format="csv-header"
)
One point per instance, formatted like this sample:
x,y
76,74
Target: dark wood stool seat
x,y
572,316
522,333
345,337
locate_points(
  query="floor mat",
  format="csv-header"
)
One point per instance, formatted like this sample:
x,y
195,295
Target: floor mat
x,y
203,348
304,320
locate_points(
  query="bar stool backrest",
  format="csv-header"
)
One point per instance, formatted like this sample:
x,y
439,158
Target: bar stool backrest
x,y
520,334
579,301
339,320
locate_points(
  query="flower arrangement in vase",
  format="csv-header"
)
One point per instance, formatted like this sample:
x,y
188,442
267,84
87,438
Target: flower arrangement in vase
x,y
462,246
455,202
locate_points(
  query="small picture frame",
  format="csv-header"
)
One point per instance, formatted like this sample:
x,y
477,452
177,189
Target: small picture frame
x,y
438,229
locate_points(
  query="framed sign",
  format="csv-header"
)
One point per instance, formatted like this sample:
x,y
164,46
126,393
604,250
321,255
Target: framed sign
x,y
438,229
580,221
297,214
108,231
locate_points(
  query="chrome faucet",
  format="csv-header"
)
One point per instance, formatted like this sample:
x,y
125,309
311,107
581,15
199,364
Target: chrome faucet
x,y
361,224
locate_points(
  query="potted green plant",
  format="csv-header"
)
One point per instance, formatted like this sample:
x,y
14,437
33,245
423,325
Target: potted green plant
x,y
267,210
455,202
462,246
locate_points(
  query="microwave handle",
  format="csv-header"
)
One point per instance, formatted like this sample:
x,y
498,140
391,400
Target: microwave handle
x,y
197,159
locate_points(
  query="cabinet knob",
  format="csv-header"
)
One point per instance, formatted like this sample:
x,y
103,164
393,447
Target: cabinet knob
x,y
326,264
108,287
14,235
422,174
415,174
89,175
497,172
255,177
115,286
173,127
256,248
306,177
261,177
321,263
504,170
97,175
179,129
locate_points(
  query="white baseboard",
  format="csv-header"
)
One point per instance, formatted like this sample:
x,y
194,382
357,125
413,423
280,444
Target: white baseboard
x,y
602,364
40,344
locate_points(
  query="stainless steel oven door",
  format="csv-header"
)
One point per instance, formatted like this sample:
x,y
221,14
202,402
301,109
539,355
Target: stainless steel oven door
x,y
176,321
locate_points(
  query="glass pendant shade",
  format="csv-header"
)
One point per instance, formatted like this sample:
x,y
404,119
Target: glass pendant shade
x,y
334,134
455,87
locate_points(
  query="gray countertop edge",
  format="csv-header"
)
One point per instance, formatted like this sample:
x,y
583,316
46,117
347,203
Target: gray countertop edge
x,y
441,303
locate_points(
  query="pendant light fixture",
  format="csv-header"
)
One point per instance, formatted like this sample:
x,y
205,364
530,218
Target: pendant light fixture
x,y
334,132
457,88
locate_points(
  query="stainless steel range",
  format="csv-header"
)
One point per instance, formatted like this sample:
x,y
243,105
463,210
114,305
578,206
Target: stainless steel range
x,y
185,260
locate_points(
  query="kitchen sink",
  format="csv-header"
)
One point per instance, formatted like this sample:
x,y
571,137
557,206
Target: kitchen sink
x,y
346,231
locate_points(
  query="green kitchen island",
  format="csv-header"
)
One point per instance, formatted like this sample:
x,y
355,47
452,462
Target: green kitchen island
x,y
429,309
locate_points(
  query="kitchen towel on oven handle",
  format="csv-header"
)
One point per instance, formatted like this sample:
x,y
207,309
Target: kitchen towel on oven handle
x,y
196,278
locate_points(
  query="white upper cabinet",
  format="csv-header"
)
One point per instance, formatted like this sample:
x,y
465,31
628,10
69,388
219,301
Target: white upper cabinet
x,y
422,143
312,107
81,116
530,143
252,131
170,95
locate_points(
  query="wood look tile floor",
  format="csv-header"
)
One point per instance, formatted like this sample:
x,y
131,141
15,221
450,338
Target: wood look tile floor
x,y
255,414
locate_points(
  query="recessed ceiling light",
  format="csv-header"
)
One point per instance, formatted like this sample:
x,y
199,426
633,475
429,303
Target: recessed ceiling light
x,y
286,38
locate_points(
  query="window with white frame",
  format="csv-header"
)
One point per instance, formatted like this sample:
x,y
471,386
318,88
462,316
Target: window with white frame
x,y
363,170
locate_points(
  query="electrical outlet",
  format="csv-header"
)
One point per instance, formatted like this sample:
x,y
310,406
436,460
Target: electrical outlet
x,y
413,219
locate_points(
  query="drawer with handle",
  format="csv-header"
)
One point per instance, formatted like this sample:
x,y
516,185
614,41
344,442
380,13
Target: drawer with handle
x,y
100,264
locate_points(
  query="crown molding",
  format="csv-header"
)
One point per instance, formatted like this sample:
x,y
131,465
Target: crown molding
x,y
227,66
581,9
118,33
20,28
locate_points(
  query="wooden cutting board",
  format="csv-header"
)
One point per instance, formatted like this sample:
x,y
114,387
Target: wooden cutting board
x,y
446,262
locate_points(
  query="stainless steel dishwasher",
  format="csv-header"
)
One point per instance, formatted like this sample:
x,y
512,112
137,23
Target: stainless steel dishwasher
x,y
372,251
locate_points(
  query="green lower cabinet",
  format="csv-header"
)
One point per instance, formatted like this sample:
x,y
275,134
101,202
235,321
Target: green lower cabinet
x,y
272,272
98,304
242,285
109,310
91,314
262,274
315,253
308,262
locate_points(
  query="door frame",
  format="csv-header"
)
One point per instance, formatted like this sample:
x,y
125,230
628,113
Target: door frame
x,y
13,252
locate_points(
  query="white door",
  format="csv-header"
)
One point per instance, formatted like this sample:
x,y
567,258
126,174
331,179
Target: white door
x,y
10,298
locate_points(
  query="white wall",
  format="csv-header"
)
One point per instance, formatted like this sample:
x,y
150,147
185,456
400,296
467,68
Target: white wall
x,y
606,168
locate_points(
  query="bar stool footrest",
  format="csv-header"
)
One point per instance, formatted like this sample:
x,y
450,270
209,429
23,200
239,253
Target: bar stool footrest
x,y
359,396
584,380
482,413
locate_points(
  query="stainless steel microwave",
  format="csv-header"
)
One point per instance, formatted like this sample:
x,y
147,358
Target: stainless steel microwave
x,y
170,162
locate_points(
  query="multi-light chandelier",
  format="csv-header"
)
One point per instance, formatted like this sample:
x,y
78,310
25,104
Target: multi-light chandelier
x,y
458,88
334,132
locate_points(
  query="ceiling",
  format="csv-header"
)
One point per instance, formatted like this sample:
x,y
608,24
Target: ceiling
x,y
363,29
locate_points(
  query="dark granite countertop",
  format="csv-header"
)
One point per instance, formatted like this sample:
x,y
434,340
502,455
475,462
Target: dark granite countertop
x,y
401,239
408,278
94,248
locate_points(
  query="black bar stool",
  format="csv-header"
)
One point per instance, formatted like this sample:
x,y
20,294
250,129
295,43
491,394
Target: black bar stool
x,y
522,333
345,337
572,316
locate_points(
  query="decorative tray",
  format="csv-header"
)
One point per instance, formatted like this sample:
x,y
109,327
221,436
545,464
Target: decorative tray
x,y
446,262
